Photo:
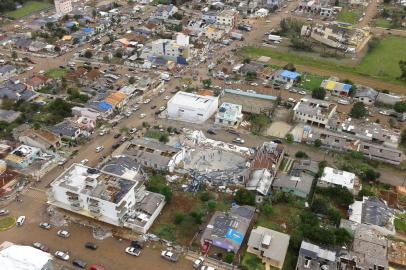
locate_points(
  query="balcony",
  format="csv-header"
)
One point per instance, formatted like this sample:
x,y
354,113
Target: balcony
x,y
76,206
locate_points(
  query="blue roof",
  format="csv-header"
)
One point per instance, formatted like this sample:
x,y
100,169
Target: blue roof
x,y
105,106
347,87
235,236
290,74
87,30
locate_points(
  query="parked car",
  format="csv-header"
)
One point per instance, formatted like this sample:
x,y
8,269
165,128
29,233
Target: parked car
x,y
239,141
169,255
123,139
40,246
167,97
4,212
45,225
91,245
198,262
116,136
302,93
211,131
153,107
205,267
233,131
136,108
115,146
162,108
132,131
96,267
343,102
137,244
62,162
84,161
79,263
133,251
147,101
142,115
62,255
20,220
63,233
99,149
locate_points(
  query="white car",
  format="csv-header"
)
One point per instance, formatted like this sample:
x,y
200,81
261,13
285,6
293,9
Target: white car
x,y
133,251
167,97
99,149
162,108
142,115
29,68
205,267
253,84
63,233
198,262
162,90
61,255
302,93
384,112
45,225
20,220
343,102
132,131
84,161
136,108
147,101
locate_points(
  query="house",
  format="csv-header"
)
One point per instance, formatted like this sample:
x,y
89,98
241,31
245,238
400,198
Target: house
x,y
227,230
365,95
7,71
36,46
117,100
226,19
171,50
369,251
374,212
41,139
19,257
153,154
285,76
9,116
66,129
22,43
15,90
273,3
37,82
85,112
209,17
63,7
229,115
269,245
250,102
313,257
387,99
314,111
334,177
192,108
106,197
163,12
336,88
124,167
22,156
214,33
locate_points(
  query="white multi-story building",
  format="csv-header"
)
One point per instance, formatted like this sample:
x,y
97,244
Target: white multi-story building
x,y
170,49
106,197
192,108
314,111
63,7
227,19
334,177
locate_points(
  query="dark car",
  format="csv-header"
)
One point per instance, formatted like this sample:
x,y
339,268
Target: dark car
x,y
91,245
233,131
117,136
79,263
153,107
137,244
116,145
211,131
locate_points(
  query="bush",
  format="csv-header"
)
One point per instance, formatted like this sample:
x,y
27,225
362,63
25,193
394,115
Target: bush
x,y
88,54
317,143
301,154
319,93
229,258
267,209
205,196
359,110
244,197
179,218
289,138
211,205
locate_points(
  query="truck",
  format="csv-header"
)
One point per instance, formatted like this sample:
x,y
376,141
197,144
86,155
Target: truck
x,y
274,38
236,36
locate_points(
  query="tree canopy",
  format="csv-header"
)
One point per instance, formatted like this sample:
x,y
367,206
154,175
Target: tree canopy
x,y
319,93
244,197
359,110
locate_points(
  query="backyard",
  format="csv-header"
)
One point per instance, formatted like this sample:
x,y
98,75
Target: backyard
x,y
349,16
27,9
389,48
311,81
56,73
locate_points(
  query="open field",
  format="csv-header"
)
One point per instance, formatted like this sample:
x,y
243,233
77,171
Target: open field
x,y
56,73
380,64
311,81
27,9
381,22
348,16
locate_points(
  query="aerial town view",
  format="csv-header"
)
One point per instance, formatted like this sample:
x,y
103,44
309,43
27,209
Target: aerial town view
x,y
203,134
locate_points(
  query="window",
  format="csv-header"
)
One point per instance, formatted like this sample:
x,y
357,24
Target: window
x,y
366,147
336,140
200,114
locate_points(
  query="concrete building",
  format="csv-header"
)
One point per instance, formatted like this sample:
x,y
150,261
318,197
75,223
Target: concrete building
x,y
336,88
313,257
365,95
41,139
228,230
374,212
170,49
314,111
9,116
22,156
269,245
7,71
285,76
163,12
18,257
229,115
333,177
250,102
106,197
209,17
226,19
153,154
63,7
192,108
67,129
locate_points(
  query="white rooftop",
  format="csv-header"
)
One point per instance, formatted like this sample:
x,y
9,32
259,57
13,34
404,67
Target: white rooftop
x,y
16,257
185,99
337,177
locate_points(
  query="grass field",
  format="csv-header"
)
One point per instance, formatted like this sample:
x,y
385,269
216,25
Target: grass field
x,y
252,262
311,81
381,63
7,223
381,22
27,9
348,16
56,73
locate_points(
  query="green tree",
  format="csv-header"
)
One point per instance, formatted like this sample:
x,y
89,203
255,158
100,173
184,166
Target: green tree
x,y
119,54
164,138
317,143
14,55
370,175
88,54
267,209
244,197
342,237
94,13
359,110
259,122
251,76
205,196
301,154
131,80
179,218
229,258
353,89
211,205
246,60
402,66
290,67
206,83
289,138
167,192
319,93
400,106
